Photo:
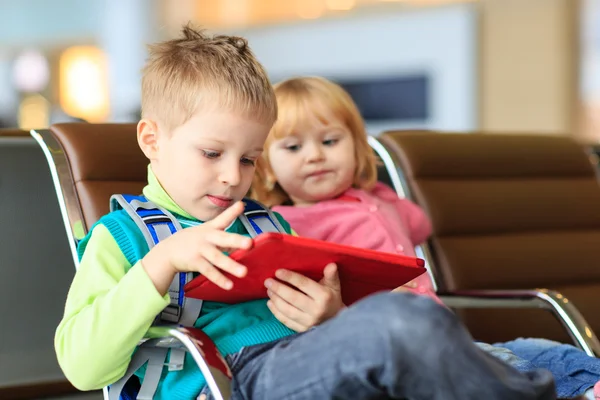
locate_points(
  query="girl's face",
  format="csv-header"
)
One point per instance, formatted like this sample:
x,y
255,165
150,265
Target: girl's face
x,y
314,163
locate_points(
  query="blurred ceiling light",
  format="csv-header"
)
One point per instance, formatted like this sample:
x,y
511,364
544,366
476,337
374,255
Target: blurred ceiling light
x,y
34,112
84,83
310,9
426,2
31,72
340,5
233,12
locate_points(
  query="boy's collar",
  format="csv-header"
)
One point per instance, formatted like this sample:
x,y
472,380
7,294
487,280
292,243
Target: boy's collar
x,y
157,194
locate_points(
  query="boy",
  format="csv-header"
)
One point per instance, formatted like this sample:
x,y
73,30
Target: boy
x,y
207,108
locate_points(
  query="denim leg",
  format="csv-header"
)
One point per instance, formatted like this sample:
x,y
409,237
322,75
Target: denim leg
x,y
508,357
388,346
574,371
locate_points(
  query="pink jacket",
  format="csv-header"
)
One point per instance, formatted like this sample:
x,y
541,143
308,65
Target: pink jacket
x,y
376,220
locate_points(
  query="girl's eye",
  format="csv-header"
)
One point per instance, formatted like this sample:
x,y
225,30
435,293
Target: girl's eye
x,y
211,154
330,142
248,161
293,147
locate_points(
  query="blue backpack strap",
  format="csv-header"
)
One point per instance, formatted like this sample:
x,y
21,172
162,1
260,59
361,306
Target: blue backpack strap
x,y
154,222
157,224
259,219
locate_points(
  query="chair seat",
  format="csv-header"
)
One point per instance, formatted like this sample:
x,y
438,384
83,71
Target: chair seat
x,y
500,325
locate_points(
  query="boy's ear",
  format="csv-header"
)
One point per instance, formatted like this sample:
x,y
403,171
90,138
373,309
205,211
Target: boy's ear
x,y
147,138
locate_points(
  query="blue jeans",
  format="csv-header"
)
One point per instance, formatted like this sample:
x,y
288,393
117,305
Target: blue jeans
x,y
574,371
388,346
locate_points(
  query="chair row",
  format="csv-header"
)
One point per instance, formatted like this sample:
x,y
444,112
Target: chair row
x,y
511,213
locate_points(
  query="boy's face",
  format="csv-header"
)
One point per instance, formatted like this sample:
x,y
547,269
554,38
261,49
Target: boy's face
x,y
207,164
315,163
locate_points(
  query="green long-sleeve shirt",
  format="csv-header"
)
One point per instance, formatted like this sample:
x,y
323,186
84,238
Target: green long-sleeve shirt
x,y
112,303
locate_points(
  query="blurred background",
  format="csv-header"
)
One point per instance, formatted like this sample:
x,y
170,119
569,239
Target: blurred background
x,y
491,65
505,66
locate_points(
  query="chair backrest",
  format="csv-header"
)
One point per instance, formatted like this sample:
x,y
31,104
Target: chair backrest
x,y
36,269
508,212
91,162
13,133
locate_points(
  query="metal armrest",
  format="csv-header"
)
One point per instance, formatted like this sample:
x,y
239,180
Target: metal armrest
x,y
64,187
203,350
565,311
214,368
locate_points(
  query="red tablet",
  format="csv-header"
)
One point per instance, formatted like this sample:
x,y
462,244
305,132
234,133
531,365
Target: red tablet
x,y
362,272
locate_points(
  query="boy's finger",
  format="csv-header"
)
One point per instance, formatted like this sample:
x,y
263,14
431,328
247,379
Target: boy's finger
x,y
287,309
304,284
227,240
212,274
221,261
283,319
331,278
292,294
225,219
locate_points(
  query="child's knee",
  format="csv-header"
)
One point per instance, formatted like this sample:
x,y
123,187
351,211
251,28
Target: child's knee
x,y
403,306
404,317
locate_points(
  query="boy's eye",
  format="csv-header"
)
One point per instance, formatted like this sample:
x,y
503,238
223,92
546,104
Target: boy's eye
x,y
330,142
210,154
248,161
293,147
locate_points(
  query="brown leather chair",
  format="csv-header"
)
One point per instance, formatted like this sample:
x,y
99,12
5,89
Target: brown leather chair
x,y
89,163
510,213
93,162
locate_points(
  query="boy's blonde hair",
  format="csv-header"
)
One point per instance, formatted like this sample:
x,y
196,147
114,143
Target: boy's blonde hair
x,y
299,99
196,71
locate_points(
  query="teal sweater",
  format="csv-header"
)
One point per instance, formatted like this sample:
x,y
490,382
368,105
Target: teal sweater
x,y
231,327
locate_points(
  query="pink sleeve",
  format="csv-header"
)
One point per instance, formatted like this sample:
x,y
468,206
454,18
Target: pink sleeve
x,y
418,223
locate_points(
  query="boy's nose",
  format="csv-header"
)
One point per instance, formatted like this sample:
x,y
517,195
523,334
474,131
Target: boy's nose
x,y
231,176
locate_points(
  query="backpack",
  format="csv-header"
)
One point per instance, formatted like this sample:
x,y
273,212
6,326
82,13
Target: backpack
x,y
156,224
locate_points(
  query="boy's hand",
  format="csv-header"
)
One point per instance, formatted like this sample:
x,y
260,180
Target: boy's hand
x,y
198,249
301,303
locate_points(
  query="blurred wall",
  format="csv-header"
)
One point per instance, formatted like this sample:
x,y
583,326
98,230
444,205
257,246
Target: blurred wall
x,y
120,28
529,65
440,43
494,65
47,23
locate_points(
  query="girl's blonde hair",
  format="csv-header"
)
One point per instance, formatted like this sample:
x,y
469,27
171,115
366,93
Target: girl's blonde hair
x,y
299,99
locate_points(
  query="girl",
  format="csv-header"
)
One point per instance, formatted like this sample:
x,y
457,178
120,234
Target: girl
x,y
319,172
